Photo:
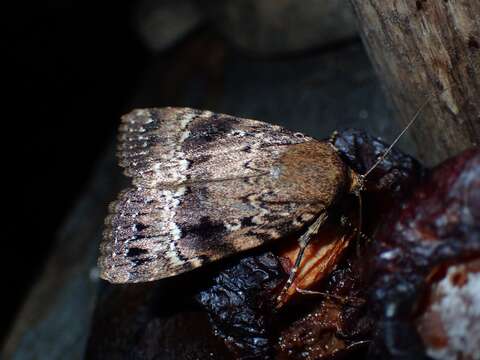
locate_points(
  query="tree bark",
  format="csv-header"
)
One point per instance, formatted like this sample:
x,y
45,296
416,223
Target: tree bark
x,y
422,48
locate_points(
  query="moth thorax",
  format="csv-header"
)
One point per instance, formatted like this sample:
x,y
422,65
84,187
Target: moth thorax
x,y
315,172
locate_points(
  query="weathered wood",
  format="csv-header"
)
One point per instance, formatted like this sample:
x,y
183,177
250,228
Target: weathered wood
x,y
425,47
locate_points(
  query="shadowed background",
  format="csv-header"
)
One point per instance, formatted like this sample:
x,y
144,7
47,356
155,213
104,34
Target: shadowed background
x,y
69,76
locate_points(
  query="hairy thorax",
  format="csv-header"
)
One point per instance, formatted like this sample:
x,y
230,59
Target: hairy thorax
x,y
314,172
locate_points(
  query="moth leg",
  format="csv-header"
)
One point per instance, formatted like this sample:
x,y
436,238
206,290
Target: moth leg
x,y
303,242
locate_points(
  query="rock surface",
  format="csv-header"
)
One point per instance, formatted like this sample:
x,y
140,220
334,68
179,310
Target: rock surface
x,y
260,27
268,27
161,24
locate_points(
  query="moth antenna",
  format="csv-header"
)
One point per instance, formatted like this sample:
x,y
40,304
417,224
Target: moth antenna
x,y
382,157
410,123
360,221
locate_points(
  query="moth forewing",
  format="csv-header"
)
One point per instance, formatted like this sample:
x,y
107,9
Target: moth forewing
x,y
209,185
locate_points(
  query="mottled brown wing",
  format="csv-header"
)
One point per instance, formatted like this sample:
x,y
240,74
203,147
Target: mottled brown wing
x,y
171,146
206,186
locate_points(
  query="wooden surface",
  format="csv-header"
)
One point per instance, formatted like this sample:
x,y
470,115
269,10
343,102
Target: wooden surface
x,y
424,47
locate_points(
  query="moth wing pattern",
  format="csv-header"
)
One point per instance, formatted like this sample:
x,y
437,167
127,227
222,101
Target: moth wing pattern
x,y
205,186
167,146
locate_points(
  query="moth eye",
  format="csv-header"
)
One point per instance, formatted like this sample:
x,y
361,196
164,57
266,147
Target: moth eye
x,y
299,135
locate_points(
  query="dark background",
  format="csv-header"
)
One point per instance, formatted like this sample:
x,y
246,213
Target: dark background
x,y
71,68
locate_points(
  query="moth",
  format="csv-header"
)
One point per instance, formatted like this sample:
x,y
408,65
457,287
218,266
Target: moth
x,y
208,185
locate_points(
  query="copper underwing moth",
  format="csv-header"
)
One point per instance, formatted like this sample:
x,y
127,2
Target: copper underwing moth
x,y
208,185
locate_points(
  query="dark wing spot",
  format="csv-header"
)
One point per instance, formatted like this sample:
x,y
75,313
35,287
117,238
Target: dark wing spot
x,y
140,227
205,229
247,222
473,43
265,237
202,158
134,252
206,236
140,261
208,130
